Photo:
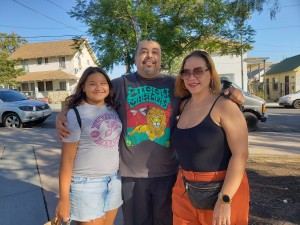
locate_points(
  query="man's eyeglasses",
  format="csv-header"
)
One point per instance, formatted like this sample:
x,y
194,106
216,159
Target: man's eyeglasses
x,y
198,72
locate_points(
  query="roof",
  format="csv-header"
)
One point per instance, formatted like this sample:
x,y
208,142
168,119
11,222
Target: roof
x,y
255,60
286,65
46,75
253,69
48,49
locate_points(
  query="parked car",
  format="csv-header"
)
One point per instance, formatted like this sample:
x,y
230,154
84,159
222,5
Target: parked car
x,y
254,108
16,110
291,100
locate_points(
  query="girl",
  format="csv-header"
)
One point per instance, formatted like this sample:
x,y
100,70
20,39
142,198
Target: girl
x,y
89,182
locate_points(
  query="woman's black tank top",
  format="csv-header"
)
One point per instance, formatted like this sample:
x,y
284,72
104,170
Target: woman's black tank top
x,y
202,148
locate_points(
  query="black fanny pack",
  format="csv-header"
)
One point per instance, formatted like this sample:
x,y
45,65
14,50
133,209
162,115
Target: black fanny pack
x,y
203,195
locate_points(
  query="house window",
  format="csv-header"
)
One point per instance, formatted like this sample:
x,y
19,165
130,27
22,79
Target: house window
x,y
25,65
62,85
275,84
49,86
25,87
62,62
31,86
46,60
39,61
41,86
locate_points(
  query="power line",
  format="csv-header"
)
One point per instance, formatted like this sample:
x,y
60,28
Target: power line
x,y
45,15
43,36
57,5
283,6
270,51
270,28
39,28
67,26
286,6
276,46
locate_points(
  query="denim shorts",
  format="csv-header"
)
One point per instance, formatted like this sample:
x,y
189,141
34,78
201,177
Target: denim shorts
x,y
91,198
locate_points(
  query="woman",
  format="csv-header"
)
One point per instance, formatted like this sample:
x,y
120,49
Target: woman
x,y
211,141
89,182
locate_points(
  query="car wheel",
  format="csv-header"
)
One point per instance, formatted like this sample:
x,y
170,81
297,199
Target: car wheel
x,y
296,104
252,121
12,120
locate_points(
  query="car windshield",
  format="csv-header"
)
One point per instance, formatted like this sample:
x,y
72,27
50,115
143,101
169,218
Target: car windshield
x,y
11,96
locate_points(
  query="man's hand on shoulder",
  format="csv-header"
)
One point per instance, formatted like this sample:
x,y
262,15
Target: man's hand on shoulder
x,y
235,95
60,125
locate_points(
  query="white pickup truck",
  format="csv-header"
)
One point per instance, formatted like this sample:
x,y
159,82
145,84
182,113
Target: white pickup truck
x,y
254,108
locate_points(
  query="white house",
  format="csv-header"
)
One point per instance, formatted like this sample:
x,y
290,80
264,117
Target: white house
x,y
232,66
53,68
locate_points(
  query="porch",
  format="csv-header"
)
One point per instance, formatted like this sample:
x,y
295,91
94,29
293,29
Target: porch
x,y
48,96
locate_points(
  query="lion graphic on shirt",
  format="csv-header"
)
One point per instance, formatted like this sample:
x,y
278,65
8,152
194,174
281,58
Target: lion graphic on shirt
x,y
156,124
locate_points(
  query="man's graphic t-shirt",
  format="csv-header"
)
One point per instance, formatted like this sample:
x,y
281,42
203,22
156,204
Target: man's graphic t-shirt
x,y
147,109
98,148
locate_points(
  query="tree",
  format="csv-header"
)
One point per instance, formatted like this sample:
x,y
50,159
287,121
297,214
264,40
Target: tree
x,y
8,44
178,25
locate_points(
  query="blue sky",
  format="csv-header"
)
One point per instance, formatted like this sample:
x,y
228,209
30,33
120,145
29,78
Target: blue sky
x,y
47,20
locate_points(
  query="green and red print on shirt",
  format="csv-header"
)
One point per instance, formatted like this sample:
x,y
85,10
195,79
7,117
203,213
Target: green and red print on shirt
x,y
148,112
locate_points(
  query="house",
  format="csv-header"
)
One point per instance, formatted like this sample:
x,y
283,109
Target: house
x,y
52,69
256,68
232,67
283,78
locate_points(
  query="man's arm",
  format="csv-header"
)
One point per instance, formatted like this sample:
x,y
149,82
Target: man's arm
x,y
232,93
235,95
60,124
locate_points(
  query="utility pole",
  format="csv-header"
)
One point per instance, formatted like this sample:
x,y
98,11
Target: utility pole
x,y
265,85
242,67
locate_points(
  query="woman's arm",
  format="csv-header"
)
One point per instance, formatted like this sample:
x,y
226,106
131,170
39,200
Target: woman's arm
x,y
235,127
66,167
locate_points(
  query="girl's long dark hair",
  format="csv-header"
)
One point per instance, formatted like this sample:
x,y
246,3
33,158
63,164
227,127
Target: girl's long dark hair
x,y
79,96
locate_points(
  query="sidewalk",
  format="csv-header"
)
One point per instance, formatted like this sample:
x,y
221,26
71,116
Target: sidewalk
x,y
55,107
273,105
29,164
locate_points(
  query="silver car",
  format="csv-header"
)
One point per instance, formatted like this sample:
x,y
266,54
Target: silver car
x,y
291,100
16,110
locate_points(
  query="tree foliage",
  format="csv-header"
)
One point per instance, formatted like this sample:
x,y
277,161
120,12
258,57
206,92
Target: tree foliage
x,y
178,25
8,44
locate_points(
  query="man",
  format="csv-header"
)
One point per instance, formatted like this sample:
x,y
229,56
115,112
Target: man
x,y
148,165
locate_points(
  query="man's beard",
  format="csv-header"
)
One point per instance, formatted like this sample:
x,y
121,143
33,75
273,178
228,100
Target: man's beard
x,y
151,71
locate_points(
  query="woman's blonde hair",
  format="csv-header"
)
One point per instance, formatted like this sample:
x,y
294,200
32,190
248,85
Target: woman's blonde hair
x,y
215,83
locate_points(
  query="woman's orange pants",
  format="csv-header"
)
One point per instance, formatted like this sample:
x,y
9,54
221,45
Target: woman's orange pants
x,y
185,214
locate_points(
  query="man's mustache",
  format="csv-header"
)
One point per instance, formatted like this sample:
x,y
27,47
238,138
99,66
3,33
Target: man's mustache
x,y
149,59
